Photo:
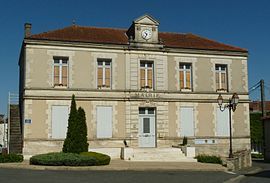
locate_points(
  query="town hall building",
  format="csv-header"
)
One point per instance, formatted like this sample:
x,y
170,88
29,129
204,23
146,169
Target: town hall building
x,y
139,85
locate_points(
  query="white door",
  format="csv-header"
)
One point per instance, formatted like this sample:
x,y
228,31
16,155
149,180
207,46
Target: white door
x,y
59,121
147,127
222,125
104,122
186,122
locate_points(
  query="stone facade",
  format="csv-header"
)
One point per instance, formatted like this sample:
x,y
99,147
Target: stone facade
x,y
126,96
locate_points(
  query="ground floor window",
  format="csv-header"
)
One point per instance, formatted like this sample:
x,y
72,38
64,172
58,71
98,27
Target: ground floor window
x,y
59,121
186,122
104,122
222,123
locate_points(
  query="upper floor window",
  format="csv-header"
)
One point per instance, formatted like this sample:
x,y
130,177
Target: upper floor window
x,y
185,76
104,73
221,78
146,73
60,68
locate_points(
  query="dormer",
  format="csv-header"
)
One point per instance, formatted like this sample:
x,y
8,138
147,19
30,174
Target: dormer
x,y
144,30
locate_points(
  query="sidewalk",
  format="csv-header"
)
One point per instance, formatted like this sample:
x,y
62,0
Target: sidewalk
x,y
120,165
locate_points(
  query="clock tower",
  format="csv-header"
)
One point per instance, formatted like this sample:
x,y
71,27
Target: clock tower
x,y
144,32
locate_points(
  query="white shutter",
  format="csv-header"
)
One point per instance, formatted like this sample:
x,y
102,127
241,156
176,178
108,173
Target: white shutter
x,y
104,122
222,125
186,122
59,121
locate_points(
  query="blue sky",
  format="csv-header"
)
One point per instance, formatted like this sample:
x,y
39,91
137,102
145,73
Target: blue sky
x,y
241,23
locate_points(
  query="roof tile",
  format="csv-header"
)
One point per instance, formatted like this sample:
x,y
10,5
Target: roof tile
x,y
118,36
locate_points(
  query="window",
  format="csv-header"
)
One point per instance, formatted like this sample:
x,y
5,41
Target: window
x,y
146,73
59,121
222,125
186,122
60,71
104,121
185,76
104,73
221,77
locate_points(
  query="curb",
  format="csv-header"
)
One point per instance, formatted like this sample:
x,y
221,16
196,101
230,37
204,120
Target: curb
x,y
113,167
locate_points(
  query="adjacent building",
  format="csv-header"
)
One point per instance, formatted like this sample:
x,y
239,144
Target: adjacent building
x,y
146,87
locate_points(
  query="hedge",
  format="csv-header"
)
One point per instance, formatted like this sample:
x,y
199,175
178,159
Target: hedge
x,y
70,159
209,159
10,158
102,159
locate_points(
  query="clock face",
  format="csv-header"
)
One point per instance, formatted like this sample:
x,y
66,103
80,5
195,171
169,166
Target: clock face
x,y
146,34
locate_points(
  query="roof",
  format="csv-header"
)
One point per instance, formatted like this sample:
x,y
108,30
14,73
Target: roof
x,y
118,36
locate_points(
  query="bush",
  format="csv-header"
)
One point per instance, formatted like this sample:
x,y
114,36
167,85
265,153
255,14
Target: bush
x,y
10,158
257,156
209,159
76,139
62,159
102,159
70,159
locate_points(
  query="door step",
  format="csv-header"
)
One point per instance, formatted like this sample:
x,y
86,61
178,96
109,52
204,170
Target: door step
x,y
155,154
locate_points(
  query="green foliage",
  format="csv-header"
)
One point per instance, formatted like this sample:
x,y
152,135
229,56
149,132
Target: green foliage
x,y
259,156
102,159
82,129
10,158
209,159
76,139
256,128
70,159
62,159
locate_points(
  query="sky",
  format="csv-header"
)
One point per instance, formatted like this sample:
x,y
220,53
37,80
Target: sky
x,y
242,23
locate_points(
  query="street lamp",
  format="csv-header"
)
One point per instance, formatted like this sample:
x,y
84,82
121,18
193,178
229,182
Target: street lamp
x,y
233,101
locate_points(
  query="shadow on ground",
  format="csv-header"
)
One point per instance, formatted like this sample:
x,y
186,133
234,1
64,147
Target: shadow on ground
x,y
264,174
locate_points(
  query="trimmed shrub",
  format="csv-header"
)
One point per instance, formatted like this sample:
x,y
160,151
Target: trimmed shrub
x,y
76,139
62,159
102,159
10,158
82,132
69,143
209,159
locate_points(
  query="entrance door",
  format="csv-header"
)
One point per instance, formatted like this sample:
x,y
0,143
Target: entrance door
x,y
147,127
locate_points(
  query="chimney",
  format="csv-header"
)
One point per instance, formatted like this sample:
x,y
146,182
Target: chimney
x,y
27,30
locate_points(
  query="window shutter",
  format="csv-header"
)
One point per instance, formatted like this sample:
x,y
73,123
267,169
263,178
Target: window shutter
x,y
64,75
181,78
59,121
107,77
100,75
188,76
186,122
56,75
150,78
104,122
142,78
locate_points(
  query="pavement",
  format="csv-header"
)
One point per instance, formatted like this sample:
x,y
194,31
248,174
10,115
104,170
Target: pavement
x,y
120,165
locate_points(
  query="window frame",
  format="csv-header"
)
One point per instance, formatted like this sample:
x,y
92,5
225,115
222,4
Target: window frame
x,y
219,71
184,69
104,67
60,65
146,68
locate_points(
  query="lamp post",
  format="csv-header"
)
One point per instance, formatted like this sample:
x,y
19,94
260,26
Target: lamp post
x,y
231,105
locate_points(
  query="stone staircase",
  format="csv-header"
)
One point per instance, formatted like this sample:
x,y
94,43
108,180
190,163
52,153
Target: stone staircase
x,y
155,154
15,141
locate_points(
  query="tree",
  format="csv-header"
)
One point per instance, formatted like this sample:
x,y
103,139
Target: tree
x,y
76,139
83,145
69,141
256,128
